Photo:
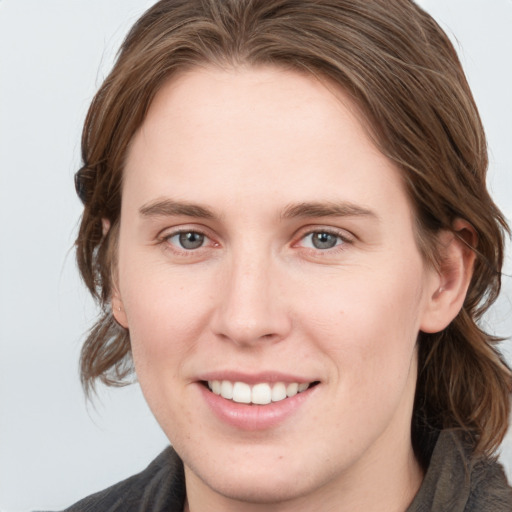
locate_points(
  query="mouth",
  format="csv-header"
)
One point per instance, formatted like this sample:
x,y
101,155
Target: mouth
x,y
263,393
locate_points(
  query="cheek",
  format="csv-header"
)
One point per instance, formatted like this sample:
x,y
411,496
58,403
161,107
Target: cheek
x,y
167,313
367,300
166,319
368,321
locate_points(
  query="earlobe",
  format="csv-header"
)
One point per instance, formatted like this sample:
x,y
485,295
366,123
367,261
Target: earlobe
x,y
456,259
105,226
118,311
116,303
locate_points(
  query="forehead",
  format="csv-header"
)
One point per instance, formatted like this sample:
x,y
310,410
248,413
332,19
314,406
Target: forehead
x,y
260,133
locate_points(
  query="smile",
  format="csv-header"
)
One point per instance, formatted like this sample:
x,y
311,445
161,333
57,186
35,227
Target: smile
x,y
259,394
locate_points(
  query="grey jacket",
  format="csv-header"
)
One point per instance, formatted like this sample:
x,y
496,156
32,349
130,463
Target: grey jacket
x,y
454,483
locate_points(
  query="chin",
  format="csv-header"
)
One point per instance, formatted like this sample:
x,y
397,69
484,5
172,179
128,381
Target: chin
x,y
257,483
268,490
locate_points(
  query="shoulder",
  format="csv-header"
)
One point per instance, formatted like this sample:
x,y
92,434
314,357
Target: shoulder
x,y
459,482
489,488
161,486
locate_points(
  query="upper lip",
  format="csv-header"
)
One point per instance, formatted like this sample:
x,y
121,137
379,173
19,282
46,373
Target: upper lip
x,y
254,378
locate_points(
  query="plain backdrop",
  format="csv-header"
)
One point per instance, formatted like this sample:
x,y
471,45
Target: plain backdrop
x,y
54,448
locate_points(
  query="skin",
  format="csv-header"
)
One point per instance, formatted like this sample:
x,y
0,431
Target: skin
x,y
247,144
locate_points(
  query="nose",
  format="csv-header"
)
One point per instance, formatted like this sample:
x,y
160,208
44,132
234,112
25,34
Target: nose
x,y
251,305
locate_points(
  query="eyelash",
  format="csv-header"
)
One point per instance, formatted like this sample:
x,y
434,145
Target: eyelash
x,y
167,237
343,239
341,242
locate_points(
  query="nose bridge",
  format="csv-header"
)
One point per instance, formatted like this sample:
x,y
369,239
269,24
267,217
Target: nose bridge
x,y
250,307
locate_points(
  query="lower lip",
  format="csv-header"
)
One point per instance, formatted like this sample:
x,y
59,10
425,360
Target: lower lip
x,y
254,417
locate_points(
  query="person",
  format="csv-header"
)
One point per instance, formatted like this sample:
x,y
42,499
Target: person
x,y
287,227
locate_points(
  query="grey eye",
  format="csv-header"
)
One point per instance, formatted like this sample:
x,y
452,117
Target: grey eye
x,y
323,240
190,240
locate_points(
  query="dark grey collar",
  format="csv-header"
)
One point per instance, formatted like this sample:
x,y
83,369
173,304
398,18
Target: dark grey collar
x,y
457,482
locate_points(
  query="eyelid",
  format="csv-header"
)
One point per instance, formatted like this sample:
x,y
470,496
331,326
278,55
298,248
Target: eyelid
x,y
166,234
169,231
345,236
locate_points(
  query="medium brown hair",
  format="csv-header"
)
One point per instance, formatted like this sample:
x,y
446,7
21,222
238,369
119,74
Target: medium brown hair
x,y
402,72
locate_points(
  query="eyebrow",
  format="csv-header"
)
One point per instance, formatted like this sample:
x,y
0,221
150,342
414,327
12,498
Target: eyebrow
x,y
327,209
169,208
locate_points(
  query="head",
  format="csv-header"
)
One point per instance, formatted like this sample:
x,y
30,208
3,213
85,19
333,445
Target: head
x,y
396,74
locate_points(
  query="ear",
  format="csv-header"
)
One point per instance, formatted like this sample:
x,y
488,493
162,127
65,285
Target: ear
x,y
449,287
105,226
118,310
116,302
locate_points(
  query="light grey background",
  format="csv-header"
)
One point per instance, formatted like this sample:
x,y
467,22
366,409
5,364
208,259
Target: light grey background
x,y
54,449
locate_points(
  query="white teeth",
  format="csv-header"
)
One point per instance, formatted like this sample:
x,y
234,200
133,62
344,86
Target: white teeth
x,y
292,389
303,387
259,394
278,392
241,393
226,389
215,387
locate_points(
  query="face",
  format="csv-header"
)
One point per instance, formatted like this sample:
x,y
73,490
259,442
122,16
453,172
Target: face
x,y
270,281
